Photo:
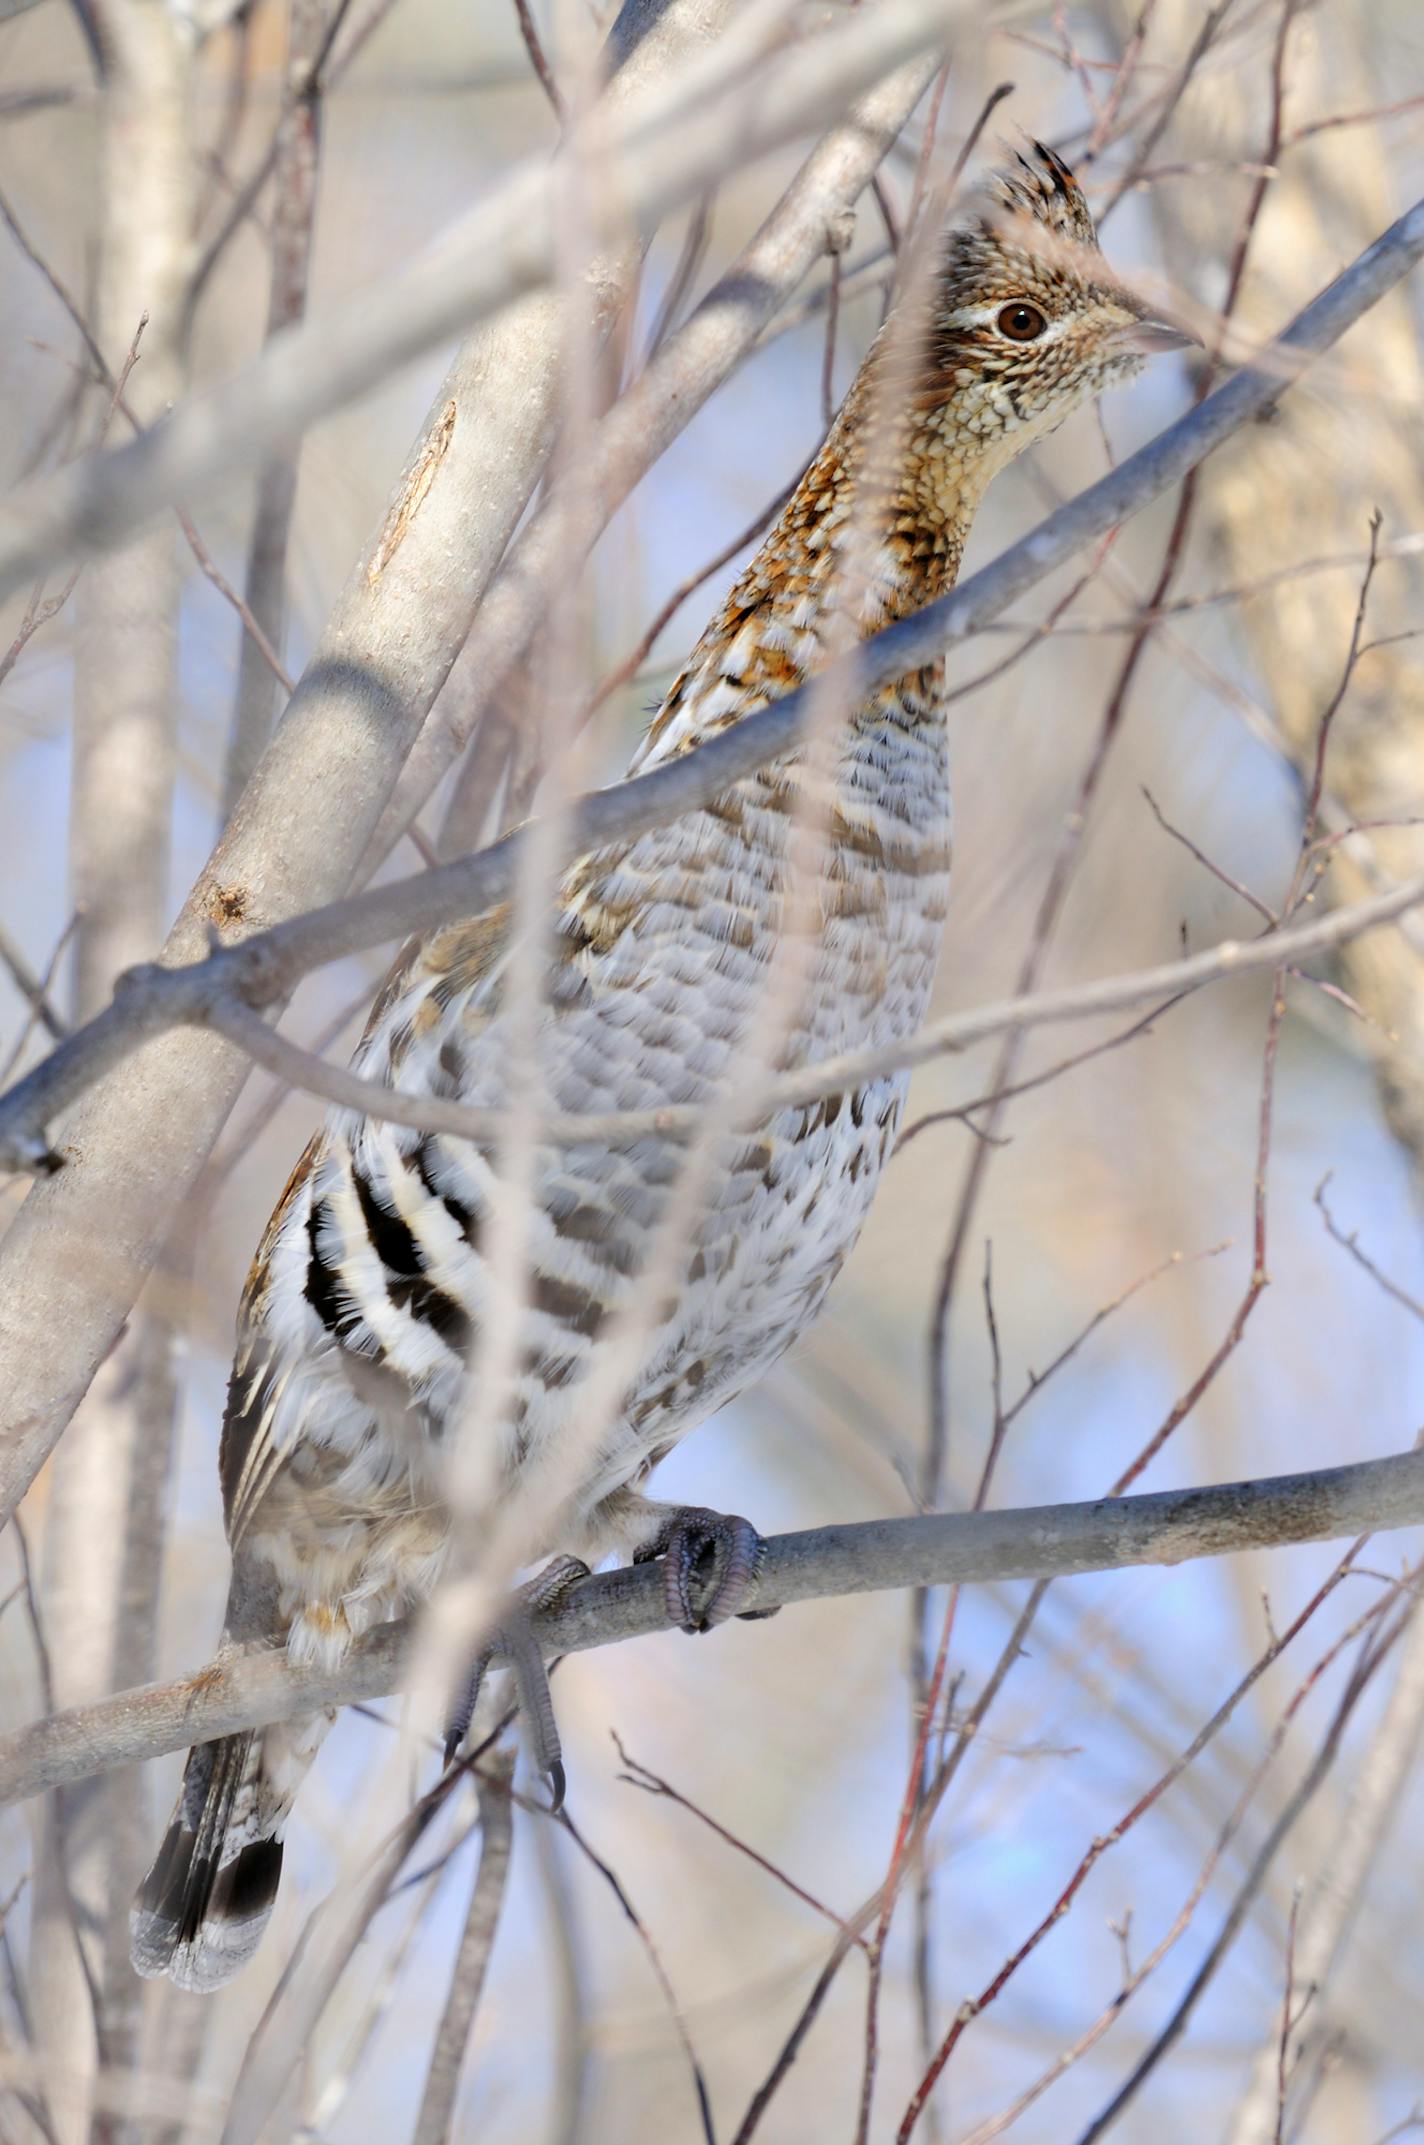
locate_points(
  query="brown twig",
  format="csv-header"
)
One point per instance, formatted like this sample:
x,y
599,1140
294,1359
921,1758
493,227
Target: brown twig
x,y
1166,106
925,158
1224,877
40,613
1352,119
974,2007
1288,2020
640,1929
690,258
539,59
642,1776
41,608
1296,1803
34,989
964,1112
828,348
1227,1831
208,565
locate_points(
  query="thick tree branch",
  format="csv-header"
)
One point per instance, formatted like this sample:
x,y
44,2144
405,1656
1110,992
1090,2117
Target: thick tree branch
x,y
826,1076
75,1256
1167,1527
718,112
684,372
264,968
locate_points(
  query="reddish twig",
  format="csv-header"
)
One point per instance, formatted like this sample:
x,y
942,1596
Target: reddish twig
x,y
1123,73
41,608
36,991
1255,1877
689,260
1134,1980
1166,106
208,565
1225,878
928,135
539,59
828,348
1353,119
642,1776
964,1112
610,1878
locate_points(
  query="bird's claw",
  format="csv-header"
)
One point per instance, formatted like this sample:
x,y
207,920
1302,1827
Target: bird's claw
x,y
710,1565
516,1641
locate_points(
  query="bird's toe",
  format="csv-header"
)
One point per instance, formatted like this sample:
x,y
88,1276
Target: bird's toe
x,y
710,1565
517,1642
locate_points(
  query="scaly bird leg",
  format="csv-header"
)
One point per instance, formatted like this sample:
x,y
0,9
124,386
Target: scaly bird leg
x,y
712,1555
516,1640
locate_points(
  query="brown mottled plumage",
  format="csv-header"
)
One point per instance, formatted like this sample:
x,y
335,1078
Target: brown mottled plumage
x,y
369,1290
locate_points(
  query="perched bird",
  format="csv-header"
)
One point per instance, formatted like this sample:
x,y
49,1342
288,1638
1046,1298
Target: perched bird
x,y
366,1299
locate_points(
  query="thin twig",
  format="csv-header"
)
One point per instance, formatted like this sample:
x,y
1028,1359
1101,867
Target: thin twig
x,y
1104,1842
1275,1839
539,59
434,2122
34,989
633,662
659,152
1351,1243
640,1929
642,1776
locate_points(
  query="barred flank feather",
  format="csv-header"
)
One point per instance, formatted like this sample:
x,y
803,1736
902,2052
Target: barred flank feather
x,y
203,1906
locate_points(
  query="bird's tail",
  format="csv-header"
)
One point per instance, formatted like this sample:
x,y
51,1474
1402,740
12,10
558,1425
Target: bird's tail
x,y
202,1908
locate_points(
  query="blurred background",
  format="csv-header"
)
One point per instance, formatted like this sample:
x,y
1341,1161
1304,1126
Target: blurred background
x,y
1132,1175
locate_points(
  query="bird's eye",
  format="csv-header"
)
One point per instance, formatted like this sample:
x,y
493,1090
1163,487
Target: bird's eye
x,y
1021,323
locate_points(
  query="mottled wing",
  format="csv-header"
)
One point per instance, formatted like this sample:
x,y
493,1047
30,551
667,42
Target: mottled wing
x,y
247,1457
306,1276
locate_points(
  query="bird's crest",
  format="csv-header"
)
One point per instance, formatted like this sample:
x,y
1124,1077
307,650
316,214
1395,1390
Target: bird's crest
x,y
1038,183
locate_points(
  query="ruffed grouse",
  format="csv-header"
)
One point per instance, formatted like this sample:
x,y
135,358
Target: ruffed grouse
x,y
367,1293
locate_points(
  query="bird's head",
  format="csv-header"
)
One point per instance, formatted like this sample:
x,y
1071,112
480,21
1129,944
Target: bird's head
x,y
1026,321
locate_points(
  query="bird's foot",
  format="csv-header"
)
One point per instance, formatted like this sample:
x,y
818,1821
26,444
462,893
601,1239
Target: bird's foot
x,y
710,1565
516,1641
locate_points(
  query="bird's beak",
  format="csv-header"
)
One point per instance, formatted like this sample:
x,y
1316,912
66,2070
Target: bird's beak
x,y
1149,336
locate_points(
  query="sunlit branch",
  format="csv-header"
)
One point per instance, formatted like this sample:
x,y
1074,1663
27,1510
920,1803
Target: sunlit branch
x,y
871,1556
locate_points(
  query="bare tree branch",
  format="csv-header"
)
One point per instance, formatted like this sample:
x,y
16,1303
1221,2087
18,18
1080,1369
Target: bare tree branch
x,y
871,1556
716,113
296,153
104,1517
76,1254
829,1076
1333,1899
437,2107
264,967
684,372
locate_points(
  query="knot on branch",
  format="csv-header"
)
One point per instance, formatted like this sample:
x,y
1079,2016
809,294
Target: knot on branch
x,y
840,230
254,971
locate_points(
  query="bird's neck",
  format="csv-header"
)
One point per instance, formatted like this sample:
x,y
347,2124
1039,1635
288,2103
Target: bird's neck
x,y
880,520
875,529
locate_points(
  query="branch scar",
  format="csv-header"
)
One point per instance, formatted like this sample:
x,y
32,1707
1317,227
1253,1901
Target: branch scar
x,y
413,493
